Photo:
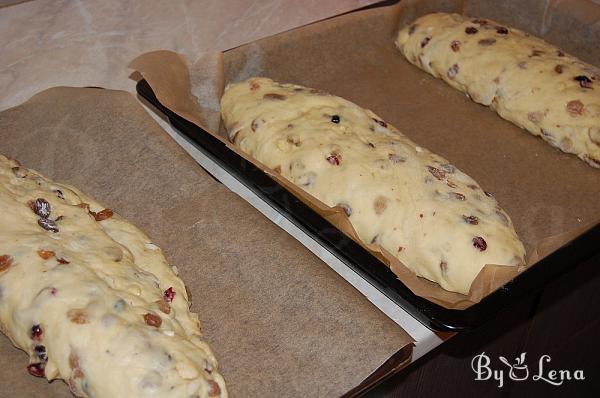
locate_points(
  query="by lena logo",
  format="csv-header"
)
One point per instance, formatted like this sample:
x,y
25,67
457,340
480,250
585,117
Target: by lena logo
x,y
519,371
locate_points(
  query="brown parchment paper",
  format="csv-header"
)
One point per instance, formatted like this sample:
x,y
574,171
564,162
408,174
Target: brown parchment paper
x,y
280,323
550,196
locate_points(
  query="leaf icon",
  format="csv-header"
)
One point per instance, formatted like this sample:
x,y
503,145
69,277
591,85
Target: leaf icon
x,y
521,360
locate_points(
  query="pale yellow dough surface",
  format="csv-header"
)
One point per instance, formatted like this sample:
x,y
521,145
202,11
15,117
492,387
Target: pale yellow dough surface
x,y
524,79
95,304
415,204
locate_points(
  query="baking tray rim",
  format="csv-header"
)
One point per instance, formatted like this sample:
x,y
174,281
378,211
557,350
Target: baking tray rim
x,y
432,315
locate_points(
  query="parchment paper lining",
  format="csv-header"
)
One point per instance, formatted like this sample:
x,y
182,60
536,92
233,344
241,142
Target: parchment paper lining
x,y
353,56
280,323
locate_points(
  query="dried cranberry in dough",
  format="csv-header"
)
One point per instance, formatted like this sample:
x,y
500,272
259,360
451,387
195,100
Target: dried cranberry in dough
x,y
47,224
453,71
575,108
40,352
214,390
479,243
169,295
36,369
163,306
102,215
334,159
152,320
437,173
457,195
36,332
584,81
5,262
473,220
41,207
45,254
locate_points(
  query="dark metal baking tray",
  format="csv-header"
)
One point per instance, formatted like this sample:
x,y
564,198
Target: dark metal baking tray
x,y
362,262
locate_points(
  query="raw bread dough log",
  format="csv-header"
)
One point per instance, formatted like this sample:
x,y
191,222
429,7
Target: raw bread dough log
x,y
531,83
416,205
91,299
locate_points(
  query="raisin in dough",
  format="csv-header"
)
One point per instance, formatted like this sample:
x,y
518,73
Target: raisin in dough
x,y
416,205
524,79
91,299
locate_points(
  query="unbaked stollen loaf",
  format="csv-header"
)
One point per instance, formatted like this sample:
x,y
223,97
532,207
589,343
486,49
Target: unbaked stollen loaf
x,y
91,299
524,79
413,203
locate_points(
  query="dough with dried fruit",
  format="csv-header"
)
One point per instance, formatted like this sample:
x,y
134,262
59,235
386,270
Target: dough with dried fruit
x,y
524,79
415,204
91,299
